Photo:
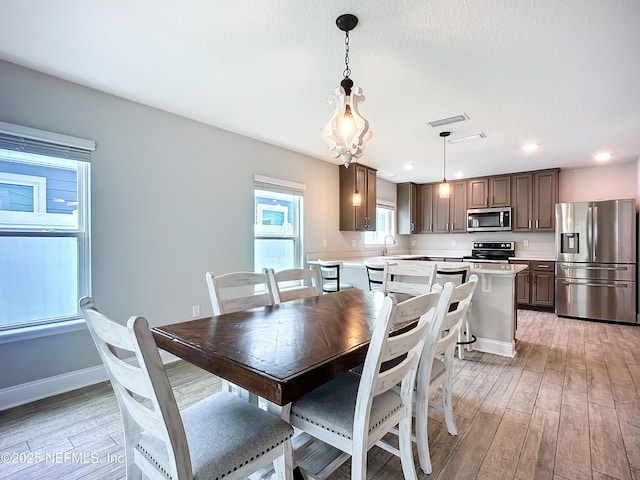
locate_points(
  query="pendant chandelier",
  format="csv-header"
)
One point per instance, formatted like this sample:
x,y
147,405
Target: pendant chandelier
x,y
443,189
347,132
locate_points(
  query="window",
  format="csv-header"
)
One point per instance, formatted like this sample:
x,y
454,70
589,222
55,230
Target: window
x,y
44,227
277,224
385,224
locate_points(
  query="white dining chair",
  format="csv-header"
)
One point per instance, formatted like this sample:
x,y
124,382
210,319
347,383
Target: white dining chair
x,y
221,436
428,351
442,364
330,271
408,278
236,291
458,274
293,284
352,412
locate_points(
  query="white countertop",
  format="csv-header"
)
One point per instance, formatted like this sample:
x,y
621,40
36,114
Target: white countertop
x,y
477,268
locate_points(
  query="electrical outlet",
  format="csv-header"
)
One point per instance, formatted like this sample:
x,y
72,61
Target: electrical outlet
x,y
526,243
453,243
324,243
413,243
354,243
195,311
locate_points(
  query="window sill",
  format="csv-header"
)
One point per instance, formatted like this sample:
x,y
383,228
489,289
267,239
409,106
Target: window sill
x,y
37,331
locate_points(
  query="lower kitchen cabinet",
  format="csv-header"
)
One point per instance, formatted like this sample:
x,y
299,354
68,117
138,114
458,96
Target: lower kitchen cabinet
x,y
535,287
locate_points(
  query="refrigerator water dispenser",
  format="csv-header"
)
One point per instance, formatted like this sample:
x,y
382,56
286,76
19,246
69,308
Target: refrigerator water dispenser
x,y
569,243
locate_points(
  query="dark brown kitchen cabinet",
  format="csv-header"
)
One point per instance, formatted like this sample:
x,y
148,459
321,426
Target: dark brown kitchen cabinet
x,y
489,192
426,208
535,286
363,179
450,214
534,195
408,206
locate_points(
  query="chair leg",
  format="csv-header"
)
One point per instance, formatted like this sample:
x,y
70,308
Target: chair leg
x,y
422,435
406,451
359,463
283,465
467,327
447,403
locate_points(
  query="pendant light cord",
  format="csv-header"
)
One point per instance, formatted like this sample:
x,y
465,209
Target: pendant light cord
x,y
444,159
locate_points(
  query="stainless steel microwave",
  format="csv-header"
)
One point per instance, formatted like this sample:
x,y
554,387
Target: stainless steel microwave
x,y
489,219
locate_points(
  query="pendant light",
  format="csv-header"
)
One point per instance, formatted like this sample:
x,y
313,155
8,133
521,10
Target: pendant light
x,y
347,132
443,189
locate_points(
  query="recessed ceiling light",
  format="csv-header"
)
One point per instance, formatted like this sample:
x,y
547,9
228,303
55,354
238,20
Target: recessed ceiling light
x,y
448,120
530,147
468,138
458,174
603,157
392,175
408,166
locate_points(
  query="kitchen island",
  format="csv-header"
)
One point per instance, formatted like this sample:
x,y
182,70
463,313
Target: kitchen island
x,y
494,314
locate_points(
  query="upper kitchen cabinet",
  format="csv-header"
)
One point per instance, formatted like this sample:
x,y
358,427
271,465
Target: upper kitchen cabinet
x,y
534,197
425,193
489,192
408,202
363,179
450,214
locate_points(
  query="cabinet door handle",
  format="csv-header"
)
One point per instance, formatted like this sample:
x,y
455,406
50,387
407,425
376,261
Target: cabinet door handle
x,y
447,227
542,267
412,227
529,223
537,223
487,201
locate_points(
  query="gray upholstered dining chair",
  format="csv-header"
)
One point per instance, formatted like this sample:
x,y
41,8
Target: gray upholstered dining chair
x,y
408,278
293,283
352,412
235,291
220,436
429,372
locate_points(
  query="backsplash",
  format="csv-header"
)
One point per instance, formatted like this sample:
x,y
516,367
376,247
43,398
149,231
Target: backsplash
x,y
536,245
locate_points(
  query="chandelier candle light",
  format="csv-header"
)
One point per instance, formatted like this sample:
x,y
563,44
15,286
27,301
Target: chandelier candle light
x,y
443,190
347,132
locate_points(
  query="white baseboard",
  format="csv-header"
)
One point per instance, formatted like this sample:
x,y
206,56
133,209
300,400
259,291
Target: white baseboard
x,y
505,349
47,387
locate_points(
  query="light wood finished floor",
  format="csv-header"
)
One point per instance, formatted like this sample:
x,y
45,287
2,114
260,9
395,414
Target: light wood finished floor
x,y
566,407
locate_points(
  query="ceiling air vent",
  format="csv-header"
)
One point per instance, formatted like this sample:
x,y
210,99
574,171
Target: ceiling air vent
x,y
448,120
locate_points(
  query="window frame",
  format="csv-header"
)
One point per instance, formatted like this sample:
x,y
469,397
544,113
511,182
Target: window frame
x,y
26,145
294,230
376,238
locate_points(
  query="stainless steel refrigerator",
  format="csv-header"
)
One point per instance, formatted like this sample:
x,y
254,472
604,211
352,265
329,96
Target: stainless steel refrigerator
x,y
596,260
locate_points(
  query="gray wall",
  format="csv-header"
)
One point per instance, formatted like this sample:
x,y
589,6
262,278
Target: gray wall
x,y
171,199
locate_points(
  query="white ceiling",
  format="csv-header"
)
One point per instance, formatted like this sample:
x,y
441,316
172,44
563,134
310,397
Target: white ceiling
x,y
561,73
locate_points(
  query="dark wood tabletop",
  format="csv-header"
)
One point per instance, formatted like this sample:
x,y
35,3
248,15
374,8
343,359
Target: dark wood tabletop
x,y
283,351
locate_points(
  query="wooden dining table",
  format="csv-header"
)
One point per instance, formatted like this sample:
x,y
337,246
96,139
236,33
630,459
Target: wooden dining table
x,y
280,352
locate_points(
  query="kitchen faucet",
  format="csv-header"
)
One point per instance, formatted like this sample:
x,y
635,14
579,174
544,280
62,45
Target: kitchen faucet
x,y
384,250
